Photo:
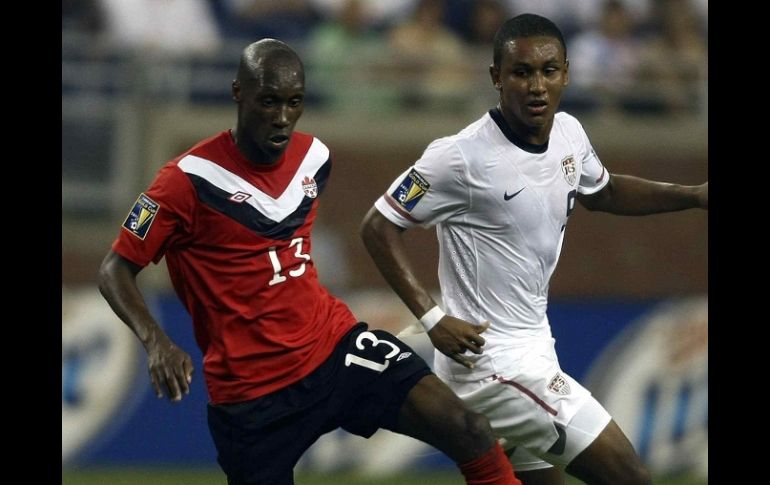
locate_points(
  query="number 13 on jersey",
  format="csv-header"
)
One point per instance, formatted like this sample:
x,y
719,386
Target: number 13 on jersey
x,y
277,269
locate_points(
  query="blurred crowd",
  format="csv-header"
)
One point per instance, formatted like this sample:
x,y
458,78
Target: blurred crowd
x,y
630,55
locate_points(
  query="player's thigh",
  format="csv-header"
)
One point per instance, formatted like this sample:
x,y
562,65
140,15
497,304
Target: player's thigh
x,y
434,414
535,466
516,415
610,458
432,405
391,387
253,452
534,416
378,373
583,430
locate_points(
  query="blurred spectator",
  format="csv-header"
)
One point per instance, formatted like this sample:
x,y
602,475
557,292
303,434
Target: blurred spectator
x,y
482,22
570,16
576,16
82,16
162,27
676,56
432,58
337,51
702,9
375,14
604,60
254,19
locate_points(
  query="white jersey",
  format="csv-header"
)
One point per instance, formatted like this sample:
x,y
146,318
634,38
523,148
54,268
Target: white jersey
x,y
501,207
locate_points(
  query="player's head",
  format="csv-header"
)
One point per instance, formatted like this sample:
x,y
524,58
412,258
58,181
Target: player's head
x,y
530,69
525,25
269,89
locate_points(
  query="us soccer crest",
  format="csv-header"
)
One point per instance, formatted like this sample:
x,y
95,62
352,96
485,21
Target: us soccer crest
x,y
559,385
569,170
309,187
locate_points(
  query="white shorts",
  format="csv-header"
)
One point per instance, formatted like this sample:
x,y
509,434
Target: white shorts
x,y
534,407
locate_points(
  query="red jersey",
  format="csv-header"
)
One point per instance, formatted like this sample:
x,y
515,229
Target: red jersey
x,y
236,237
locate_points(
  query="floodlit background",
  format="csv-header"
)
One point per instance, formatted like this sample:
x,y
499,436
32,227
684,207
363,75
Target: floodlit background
x,y
142,80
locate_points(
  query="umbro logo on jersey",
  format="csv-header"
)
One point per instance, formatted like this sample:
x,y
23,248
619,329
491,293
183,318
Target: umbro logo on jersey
x,y
403,355
509,197
239,196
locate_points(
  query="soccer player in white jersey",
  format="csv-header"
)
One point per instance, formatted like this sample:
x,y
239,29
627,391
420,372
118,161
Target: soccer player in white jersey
x,y
499,193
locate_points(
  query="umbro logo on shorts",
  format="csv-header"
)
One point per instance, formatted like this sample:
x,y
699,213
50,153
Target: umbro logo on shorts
x,y
403,355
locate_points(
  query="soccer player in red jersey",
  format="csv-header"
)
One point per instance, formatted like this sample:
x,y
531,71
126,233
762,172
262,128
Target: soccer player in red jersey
x,y
284,360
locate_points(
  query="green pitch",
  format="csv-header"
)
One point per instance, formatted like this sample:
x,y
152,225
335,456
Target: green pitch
x,y
114,476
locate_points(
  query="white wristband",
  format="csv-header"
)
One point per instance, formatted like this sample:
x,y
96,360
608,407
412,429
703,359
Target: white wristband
x,y
431,318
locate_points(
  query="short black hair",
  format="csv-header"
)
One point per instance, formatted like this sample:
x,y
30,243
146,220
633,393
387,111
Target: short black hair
x,y
255,56
524,25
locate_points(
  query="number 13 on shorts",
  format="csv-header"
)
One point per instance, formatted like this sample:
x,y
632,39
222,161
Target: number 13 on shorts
x,y
370,364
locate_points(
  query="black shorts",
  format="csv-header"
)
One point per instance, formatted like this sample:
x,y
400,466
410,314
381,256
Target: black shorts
x,y
359,388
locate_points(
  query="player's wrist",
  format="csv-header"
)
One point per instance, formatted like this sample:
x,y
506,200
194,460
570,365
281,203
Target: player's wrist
x,y
431,318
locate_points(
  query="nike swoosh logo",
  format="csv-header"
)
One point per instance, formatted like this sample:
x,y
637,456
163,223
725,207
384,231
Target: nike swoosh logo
x,y
509,197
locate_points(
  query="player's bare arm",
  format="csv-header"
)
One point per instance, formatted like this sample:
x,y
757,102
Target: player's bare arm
x,y
169,365
634,196
385,243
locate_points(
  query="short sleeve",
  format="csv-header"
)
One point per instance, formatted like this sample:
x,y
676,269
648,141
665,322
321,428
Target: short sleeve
x,y
160,217
431,191
593,175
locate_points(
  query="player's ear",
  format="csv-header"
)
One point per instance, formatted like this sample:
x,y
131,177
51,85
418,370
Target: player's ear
x,y
566,72
236,91
494,73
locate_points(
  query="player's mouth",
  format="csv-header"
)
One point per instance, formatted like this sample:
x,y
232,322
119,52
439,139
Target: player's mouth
x,y
537,107
278,141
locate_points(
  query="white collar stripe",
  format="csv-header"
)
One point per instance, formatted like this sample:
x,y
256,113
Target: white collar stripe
x,y
275,209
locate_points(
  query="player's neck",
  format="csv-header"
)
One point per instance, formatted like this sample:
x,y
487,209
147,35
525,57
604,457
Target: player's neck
x,y
251,152
535,135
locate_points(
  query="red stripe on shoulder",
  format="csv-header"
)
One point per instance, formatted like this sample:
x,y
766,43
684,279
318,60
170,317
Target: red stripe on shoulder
x,y
399,209
601,176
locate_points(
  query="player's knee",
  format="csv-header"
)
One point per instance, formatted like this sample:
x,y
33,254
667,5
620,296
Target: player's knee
x,y
641,475
478,431
634,474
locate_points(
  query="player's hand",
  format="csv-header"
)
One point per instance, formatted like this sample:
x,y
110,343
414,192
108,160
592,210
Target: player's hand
x,y
170,368
703,196
452,337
